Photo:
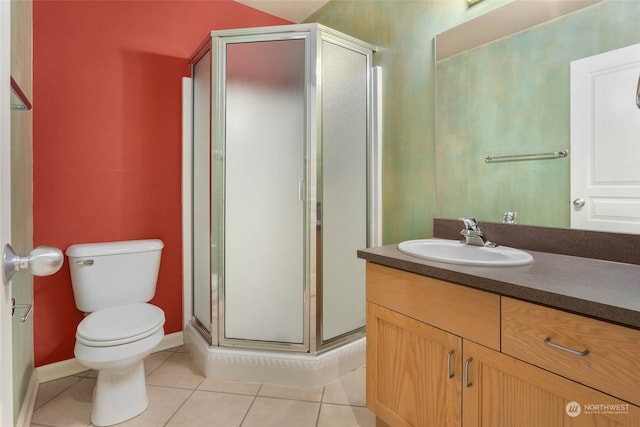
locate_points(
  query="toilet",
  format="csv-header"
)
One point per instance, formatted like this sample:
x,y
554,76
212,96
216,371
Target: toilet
x,y
112,284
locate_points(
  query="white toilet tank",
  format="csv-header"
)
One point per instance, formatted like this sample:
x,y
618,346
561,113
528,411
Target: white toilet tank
x,y
114,273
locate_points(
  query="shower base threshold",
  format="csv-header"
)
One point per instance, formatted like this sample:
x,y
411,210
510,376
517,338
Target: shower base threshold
x,y
271,367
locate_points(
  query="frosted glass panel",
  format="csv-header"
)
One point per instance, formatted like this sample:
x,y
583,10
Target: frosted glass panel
x,y
264,214
201,200
344,188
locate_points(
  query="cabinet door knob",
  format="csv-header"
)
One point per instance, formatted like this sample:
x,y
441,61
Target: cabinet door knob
x,y
449,355
468,383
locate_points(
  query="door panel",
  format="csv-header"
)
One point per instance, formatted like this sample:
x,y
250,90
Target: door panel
x,y
344,188
605,130
264,191
409,382
6,346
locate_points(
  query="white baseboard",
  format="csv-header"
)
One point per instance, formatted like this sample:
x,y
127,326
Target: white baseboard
x,y
173,340
64,368
29,402
57,370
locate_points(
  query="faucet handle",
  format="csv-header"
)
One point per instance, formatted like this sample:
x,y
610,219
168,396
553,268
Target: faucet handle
x,y
470,223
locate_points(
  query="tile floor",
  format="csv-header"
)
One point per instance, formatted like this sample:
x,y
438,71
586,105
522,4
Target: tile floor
x,y
178,396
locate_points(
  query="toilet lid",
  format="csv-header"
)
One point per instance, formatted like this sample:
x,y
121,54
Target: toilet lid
x,y
120,324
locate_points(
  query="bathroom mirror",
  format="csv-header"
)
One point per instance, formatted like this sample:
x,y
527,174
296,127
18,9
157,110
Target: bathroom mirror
x,y
510,96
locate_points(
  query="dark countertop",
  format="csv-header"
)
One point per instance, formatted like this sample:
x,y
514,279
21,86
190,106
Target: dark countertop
x,y
600,289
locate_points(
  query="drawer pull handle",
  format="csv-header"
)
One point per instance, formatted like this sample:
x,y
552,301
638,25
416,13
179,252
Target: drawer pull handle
x,y
468,383
449,355
550,343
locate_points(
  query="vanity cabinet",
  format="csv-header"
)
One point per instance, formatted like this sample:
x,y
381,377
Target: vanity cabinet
x,y
436,356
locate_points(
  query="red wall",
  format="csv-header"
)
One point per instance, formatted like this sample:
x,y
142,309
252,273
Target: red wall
x,y
107,137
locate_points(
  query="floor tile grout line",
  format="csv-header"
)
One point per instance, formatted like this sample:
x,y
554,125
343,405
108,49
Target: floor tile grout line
x,y
279,398
256,394
271,397
320,406
226,392
255,397
201,378
177,387
180,406
161,363
345,404
78,379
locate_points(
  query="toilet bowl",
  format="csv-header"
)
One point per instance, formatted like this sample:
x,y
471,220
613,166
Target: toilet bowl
x,y
112,283
115,341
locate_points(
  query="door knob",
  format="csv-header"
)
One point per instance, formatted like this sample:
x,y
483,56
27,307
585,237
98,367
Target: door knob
x,y
578,203
42,261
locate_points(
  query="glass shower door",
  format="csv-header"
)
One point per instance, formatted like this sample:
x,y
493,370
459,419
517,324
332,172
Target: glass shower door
x,y
344,192
264,228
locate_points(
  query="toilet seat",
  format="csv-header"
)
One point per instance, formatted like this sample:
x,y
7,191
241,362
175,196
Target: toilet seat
x,y
120,325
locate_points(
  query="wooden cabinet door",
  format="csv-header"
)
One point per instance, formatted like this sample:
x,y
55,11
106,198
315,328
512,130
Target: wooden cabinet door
x,y
413,371
501,391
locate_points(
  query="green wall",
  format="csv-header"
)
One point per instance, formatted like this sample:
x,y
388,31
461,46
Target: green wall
x,y
512,97
404,31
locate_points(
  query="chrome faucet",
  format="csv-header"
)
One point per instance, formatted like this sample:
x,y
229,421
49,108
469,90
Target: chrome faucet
x,y
472,233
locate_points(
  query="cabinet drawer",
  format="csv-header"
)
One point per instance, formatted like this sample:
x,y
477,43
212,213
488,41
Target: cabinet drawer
x,y
463,311
595,353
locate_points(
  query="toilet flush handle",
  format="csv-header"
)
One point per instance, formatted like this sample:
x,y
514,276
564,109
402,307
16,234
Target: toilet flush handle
x,y
85,262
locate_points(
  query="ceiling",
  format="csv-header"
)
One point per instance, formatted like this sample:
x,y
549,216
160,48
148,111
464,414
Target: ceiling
x,y
292,10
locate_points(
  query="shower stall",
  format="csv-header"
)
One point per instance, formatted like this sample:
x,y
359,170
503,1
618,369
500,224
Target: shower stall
x,y
278,134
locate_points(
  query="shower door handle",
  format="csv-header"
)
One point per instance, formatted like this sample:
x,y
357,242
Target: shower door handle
x,y
301,191
638,93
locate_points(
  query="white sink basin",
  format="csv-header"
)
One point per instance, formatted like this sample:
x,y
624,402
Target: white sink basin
x,y
455,252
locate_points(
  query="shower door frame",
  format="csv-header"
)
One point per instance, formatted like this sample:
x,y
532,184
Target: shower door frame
x,y
314,35
220,41
325,34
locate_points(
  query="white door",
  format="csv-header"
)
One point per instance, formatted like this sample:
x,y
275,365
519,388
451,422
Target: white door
x,y
6,364
605,141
